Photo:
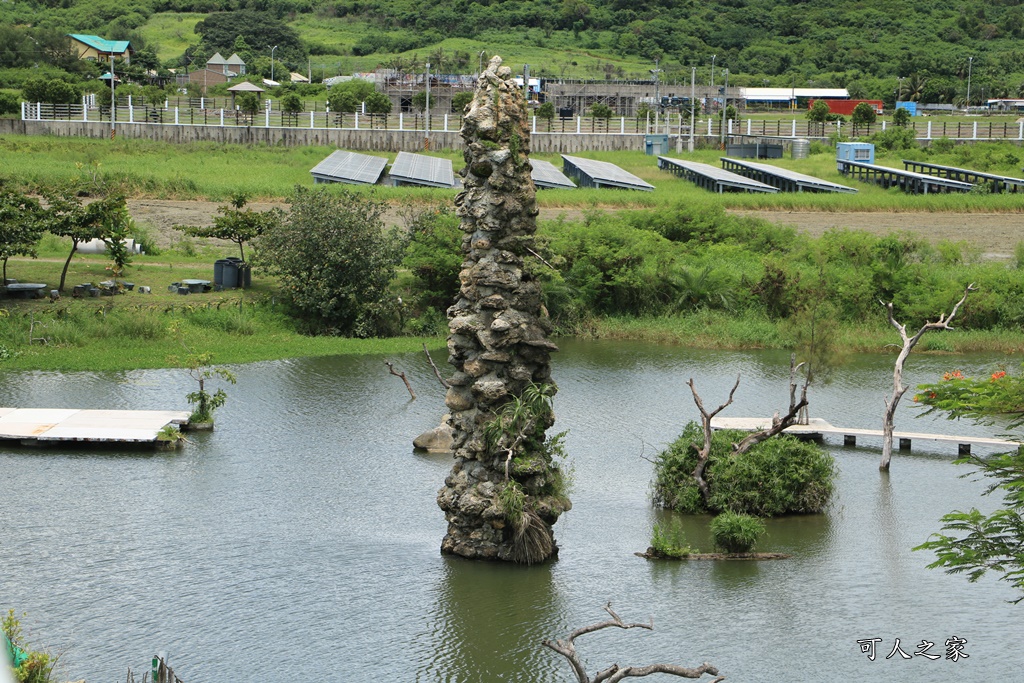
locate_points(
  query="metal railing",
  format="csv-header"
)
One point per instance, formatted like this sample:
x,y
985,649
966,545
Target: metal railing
x,y
672,124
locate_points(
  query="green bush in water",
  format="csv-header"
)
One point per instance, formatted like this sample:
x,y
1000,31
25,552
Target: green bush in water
x,y
735,533
781,475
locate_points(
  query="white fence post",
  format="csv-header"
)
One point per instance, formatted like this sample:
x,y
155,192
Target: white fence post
x,y
974,132
401,121
23,110
533,124
1020,130
175,116
883,126
446,123
266,117
929,130
622,125
748,126
131,110
222,117
793,135
709,126
577,125
311,114
357,120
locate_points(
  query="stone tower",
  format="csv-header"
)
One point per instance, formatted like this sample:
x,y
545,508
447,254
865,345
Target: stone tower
x,y
505,491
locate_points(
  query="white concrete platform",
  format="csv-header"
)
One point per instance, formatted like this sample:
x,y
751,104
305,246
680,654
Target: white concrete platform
x,y
817,426
101,426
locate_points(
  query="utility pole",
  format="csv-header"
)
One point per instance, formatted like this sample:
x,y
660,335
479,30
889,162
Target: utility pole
x,y
526,85
272,62
970,63
693,103
725,103
426,140
113,99
657,82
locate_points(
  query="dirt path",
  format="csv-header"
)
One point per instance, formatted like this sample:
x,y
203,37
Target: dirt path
x,y
994,235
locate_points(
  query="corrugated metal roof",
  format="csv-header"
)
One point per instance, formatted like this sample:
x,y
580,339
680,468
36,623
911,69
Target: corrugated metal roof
x,y
101,44
783,94
217,58
235,59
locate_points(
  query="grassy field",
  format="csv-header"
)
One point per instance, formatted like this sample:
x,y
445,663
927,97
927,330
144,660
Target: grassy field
x,y
144,168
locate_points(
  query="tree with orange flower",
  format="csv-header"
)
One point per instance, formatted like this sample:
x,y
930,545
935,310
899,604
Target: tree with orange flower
x,y
970,541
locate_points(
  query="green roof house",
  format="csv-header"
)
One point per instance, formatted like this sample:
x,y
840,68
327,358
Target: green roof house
x,y
99,49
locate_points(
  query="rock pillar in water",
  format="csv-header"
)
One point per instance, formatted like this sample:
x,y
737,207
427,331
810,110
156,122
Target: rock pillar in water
x,y
506,489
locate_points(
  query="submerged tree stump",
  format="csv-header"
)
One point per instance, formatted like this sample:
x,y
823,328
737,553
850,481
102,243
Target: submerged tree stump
x,y
498,343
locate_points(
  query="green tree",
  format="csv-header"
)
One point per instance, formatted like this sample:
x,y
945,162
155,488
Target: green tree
x,y
291,104
378,103
335,261
546,111
236,223
248,103
864,114
601,111
972,542
343,101
419,100
66,216
200,368
461,100
20,225
901,117
260,31
819,112
434,258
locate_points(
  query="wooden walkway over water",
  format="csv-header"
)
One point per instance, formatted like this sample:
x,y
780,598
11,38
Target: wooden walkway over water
x,y
818,428
37,426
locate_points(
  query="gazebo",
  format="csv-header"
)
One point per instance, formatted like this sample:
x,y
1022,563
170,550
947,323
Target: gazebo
x,y
244,86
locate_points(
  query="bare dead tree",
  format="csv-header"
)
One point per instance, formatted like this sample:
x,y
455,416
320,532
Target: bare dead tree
x,y
790,418
614,673
401,375
888,420
437,373
704,452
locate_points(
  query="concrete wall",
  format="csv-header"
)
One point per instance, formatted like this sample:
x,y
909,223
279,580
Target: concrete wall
x,y
365,140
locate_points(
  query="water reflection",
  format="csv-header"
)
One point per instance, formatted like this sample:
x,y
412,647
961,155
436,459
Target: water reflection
x,y
480,634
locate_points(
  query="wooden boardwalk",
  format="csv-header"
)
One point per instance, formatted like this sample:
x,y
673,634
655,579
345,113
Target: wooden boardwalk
x,y
40,425
818,428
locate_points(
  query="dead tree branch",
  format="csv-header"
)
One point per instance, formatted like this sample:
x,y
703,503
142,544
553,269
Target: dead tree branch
x,y
437,373
391,369
704,452
889,418
779,424
567,648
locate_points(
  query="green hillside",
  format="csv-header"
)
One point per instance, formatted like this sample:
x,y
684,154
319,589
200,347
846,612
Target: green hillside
x,y
863,46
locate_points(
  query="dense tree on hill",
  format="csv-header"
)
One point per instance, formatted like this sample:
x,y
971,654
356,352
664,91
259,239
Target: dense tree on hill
x,y
261,31
762,42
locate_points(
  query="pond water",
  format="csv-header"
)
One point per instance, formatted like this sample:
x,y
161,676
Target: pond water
x,y
299,541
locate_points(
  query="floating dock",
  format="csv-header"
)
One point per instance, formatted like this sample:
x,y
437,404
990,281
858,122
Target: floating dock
x,y
818,428
40,426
